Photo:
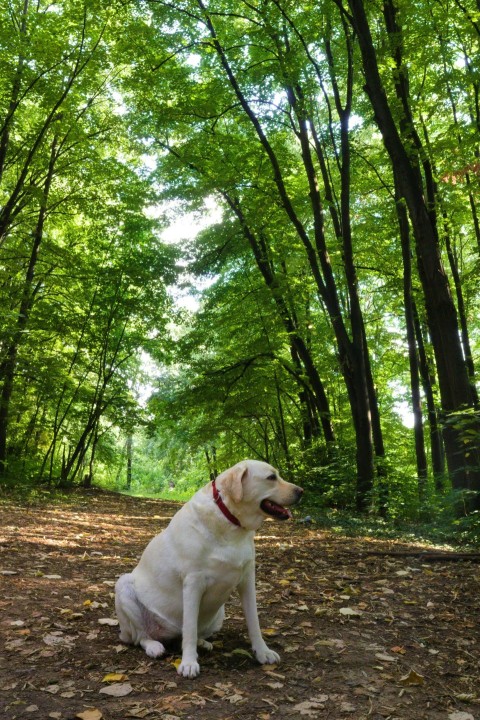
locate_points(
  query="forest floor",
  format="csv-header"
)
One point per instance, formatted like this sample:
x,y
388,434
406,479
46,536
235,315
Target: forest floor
x,y
364,628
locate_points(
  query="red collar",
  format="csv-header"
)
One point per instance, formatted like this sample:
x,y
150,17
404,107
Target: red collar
x,y
217,499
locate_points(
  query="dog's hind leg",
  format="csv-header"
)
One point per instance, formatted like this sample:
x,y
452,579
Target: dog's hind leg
x,y
134,618
211,629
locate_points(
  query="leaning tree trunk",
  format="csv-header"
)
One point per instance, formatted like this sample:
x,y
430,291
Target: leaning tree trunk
x,y
259,248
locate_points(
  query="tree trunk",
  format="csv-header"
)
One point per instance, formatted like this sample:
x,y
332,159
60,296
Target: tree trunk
x,y
461,429
352,351
319,261
420,455
129,460
260,251
436,440
17,81
8,366
211,457
281,431
310,422
467,348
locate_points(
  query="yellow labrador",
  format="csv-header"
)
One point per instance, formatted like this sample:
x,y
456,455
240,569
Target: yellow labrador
x,y
188,572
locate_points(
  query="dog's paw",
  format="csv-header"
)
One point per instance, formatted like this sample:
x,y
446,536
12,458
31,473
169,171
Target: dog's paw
x,y
265,656
189,669
205,645
153,648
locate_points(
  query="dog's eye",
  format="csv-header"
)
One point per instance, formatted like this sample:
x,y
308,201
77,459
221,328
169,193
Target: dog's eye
x,y
272,477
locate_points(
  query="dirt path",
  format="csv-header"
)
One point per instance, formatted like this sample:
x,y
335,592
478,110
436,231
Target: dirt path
x,y
361,634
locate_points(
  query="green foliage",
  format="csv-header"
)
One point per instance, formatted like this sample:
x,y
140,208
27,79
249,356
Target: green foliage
x,y
467,529
113,114
83,272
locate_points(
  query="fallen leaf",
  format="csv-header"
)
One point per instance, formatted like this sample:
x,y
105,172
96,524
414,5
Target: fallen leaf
x,y
117,689
114,677
235,699
242,651
291,648
268,669
460,716
336,643
385,658
92,714
466,697
349,612
108,621
413,678
57,638
143,669
310,707
52,689
138,711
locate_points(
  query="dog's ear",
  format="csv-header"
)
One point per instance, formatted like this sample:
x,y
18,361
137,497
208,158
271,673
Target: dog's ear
x,y
232,481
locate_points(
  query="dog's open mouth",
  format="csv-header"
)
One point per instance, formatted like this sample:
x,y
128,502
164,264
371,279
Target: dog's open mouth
x,y
277,511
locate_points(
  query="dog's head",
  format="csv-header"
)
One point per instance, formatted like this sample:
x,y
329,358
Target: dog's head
x,y
255,490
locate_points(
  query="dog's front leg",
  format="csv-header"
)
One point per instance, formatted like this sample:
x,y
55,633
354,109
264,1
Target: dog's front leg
x,y
193,589
248,597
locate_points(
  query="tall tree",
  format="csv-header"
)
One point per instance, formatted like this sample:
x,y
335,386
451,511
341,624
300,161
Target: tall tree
x,y
78,254
404,148
268,125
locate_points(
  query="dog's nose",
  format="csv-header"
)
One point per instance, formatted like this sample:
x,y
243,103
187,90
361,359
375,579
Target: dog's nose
x,y
298,492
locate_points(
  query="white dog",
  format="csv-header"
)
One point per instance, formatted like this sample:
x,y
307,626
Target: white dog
x,y
188,572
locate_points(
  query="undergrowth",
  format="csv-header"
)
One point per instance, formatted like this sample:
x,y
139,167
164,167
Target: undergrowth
x,y
452,533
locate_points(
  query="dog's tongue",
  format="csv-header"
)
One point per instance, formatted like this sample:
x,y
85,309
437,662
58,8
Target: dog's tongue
x,y
277,511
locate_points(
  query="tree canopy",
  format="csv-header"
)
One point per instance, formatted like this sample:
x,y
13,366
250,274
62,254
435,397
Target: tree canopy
x,y
338,288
